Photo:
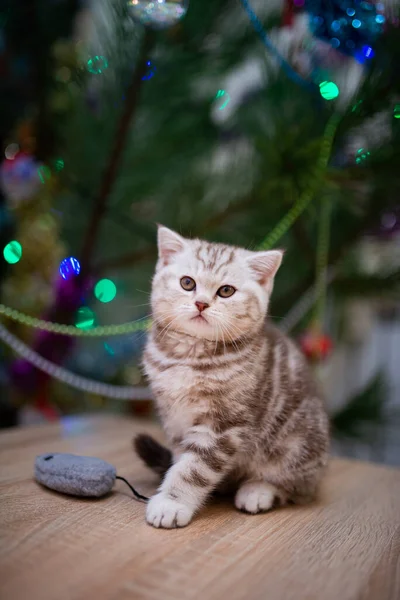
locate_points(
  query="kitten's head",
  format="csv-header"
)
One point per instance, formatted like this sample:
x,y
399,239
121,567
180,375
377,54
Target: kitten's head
x,y
211,291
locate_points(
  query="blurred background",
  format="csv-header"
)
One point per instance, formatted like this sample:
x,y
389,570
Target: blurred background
x,y
211,118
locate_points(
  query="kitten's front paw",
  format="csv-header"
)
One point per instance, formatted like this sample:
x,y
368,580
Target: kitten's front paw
x,y
255,497
163,511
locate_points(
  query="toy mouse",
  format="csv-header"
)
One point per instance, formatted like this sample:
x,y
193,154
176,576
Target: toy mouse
x,y
83,476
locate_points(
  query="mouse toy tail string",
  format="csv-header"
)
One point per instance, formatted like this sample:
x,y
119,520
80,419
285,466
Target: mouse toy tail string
x,y
134,492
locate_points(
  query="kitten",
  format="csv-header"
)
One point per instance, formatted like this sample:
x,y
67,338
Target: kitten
x,y
234,395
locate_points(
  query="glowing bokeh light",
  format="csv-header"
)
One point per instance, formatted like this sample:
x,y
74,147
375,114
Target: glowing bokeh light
x,y
356,23
97,64
11,151
328,90
59,164
368,52
108,349
380,19
396,111
69,267
225,95
361,155
12,252
105,290
84,318
44,173
150,72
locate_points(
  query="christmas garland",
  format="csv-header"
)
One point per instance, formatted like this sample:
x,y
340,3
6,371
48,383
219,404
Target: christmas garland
x,y
142,324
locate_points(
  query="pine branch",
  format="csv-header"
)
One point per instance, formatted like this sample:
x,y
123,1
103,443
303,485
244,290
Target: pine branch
x,y
365,408
367,285
127,260
111,171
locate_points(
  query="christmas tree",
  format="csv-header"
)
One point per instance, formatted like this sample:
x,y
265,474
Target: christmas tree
x,y
212,118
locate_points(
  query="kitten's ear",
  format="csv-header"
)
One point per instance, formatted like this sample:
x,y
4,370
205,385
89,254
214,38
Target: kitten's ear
x,y
169,243
265,265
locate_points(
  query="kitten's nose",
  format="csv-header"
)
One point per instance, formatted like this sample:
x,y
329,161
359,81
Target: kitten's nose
x,y
202,306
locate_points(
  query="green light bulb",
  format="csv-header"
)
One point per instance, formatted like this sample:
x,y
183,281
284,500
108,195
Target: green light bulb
x,y
329,90
12,252
105,290
396,111
44,173
84,318
97,64
59,164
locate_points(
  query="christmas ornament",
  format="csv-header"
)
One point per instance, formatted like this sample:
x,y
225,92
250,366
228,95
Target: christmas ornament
x,y
315,345
70,267
19,178
12,252
159,14
105,290
351,27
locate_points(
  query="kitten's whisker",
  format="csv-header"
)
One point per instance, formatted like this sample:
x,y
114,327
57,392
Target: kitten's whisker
x,y
138,305
230,339
169,325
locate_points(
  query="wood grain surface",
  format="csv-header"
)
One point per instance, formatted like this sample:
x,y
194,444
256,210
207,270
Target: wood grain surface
x,y
346,546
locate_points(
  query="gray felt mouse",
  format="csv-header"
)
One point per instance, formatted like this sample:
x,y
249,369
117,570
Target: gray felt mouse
x,y
78,475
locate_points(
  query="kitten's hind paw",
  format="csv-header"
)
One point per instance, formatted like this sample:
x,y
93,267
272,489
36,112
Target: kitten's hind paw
x,y
254,497
165,512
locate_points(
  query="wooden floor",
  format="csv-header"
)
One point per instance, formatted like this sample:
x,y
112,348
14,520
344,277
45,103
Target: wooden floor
x,y
344,547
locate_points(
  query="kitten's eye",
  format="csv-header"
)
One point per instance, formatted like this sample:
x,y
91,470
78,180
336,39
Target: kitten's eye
x,y
188,283
226,291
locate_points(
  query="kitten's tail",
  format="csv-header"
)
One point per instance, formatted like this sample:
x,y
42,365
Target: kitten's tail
x,y
152,453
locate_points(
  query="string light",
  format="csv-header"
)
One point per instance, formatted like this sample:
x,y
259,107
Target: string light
x,y
142,324
328,90
150,73
84,318
59,164
109,349
362,155
105,290
12,252
223,94
368,52
69,267
97,64
44,173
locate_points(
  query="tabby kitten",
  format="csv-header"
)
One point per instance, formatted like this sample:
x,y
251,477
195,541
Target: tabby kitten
x,y
234,395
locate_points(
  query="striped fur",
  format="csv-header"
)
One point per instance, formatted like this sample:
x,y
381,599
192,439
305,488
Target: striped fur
x,y
234,395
